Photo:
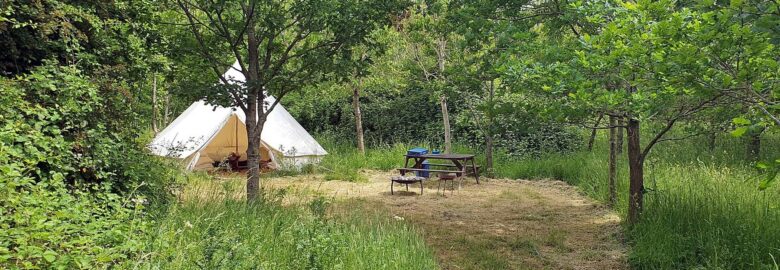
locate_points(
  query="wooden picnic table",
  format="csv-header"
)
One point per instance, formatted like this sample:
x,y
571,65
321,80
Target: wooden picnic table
x,y
459,161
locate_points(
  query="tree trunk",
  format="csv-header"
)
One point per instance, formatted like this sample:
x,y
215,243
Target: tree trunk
x,y
593,133
489,154
754,145
636,171
167,109
441,57
154,104
446,119
358,118
613,147
253,161
620,122
489,131
255,117
712,140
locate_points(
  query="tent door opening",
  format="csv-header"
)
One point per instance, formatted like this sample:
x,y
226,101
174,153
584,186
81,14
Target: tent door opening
x,y
230,144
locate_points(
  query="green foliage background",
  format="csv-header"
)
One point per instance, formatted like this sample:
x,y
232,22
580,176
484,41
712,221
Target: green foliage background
x,y
79,190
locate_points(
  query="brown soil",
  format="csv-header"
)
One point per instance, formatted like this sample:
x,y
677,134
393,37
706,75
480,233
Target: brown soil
x,y
498,224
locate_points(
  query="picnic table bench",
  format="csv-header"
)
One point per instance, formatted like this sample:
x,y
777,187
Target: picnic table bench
x,y
459,161
469,168
457,169
405,170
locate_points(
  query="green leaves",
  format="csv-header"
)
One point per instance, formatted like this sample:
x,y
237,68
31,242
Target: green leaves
x,y
49,256
61,160
742,126
738,132
770,173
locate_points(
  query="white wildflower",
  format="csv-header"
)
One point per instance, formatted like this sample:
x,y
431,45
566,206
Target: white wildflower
x,y
138,200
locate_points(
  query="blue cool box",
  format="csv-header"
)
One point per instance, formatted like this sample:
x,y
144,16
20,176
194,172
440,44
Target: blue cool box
x,y
417,151
425,165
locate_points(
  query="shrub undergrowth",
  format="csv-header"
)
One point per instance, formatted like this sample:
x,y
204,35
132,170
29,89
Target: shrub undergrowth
x,y
73,189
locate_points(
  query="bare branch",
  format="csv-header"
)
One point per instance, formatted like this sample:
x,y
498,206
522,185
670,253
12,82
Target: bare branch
x,y
204,50
657,138
214,64
774,118
269,45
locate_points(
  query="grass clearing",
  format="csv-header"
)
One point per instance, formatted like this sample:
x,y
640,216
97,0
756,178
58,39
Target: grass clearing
x,y
557,240
211,229
702,209
480,253
477,228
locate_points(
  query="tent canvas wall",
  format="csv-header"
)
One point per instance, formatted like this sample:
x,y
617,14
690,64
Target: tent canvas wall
x,y
205,133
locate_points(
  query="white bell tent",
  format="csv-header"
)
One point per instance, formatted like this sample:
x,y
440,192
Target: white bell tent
x,y
204,134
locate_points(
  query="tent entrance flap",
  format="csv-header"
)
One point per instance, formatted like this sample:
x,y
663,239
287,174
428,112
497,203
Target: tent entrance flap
x,y
231,138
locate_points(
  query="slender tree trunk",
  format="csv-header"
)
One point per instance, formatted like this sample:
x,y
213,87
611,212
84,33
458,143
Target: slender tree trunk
x,y
154,104
593,133
489,154
358,117
167,109
636,171
489,131
711,140
255,117
621,123
613,147
446,119
754,145
441,57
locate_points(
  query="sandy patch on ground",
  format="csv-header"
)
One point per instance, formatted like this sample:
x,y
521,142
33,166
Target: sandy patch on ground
x,y
498,224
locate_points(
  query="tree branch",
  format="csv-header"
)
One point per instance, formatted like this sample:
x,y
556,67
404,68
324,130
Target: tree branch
x,y
657,138
214,64
203,51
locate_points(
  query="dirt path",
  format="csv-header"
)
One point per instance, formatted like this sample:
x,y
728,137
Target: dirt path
x,y
499,224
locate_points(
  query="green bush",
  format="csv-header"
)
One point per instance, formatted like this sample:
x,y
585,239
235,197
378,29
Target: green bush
x,y
72,189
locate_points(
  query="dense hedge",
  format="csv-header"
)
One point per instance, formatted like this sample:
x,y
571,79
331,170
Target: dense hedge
x,y
414,115
72,188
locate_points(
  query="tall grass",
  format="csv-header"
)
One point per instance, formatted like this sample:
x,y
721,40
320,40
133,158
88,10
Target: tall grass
x,y
702,210
222,232
707,216
344,161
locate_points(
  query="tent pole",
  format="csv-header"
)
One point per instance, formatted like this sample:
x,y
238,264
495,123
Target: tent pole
x,y
236,133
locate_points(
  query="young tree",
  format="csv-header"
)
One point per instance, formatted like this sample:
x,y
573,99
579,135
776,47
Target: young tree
x,y
674,63
360,65
280,47
361,144
429,41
